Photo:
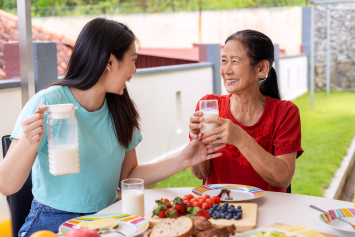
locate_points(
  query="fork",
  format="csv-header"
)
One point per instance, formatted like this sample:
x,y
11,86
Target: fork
x,y
318,209
110,230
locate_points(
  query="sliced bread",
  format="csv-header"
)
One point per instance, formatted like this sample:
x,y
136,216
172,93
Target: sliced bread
x,y
179,227
100,224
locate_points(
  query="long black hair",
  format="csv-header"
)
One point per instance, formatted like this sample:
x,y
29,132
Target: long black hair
x,y
259,47
96,42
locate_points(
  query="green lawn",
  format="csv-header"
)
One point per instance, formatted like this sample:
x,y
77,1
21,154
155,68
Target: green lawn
x,y
326,135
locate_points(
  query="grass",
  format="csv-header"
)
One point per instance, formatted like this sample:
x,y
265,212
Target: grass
x,y
327,132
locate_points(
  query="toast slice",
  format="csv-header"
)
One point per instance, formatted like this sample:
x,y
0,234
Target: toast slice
x,y
179,227
100,224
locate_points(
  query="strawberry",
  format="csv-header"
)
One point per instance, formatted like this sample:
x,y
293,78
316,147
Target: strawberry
x,y
179,205
160,208
162,201
187,205
196,211
172,213
162,214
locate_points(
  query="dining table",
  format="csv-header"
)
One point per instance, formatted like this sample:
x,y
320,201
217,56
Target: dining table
x,y
273,207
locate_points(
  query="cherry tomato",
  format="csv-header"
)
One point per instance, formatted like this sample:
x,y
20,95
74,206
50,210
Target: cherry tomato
x,y
197,204
204,197
189,196
210,201
192,200
216,199
186,201
206,206
165,200
197,199
201,201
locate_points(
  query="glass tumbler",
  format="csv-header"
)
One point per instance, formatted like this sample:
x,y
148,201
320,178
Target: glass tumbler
x,y
133,196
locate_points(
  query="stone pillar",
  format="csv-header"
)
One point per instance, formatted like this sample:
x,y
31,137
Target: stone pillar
x,y
44,60
212,53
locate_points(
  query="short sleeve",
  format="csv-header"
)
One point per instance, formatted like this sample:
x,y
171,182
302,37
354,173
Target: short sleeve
x,y
287,137
28,111
136,139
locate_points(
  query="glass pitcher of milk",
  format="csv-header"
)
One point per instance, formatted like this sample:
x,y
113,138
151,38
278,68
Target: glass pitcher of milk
x,y
133,196
63,144
5,218
209,108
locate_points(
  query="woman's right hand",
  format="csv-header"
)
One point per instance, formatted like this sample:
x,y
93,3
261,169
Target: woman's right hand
x,y
195,125
33,126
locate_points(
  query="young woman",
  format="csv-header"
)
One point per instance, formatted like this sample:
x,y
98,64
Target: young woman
x,y
103,60
262,132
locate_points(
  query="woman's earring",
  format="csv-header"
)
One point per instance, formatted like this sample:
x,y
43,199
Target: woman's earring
x,y
261,76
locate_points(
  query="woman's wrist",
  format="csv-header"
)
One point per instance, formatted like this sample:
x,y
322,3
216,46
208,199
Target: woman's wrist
x,y
241,135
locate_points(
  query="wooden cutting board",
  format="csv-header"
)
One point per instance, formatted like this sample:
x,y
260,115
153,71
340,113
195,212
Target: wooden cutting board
x,y
248,221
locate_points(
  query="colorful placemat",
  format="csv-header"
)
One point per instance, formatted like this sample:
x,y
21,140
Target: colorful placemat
x,y
257,192
342,212
139,222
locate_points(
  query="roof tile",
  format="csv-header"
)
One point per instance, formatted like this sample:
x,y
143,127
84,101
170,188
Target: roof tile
x,y
9,32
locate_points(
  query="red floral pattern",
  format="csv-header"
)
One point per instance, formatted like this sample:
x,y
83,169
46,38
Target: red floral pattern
x,y
269,132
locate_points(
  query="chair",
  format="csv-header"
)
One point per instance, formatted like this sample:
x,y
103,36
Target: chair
x,y
20,202
288,190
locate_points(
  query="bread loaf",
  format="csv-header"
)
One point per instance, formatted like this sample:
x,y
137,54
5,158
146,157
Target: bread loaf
x,y
180,227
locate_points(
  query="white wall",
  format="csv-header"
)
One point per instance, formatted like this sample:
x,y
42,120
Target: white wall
x,y
10,107
293,77
165,128
180,30
164,122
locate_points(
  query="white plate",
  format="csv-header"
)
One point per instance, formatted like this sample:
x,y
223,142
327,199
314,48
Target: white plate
x,y
238,192
339,225
131,225
264,229
347,214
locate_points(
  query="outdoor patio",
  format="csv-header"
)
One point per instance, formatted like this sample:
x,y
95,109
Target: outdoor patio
x,y
317,77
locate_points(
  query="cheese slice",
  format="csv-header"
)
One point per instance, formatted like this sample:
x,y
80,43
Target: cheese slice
x,y
100,224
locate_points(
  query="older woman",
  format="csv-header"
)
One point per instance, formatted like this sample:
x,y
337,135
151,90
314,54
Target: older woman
x,y
262,133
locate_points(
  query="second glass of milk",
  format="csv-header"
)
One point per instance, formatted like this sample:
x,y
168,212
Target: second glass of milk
x,y
210,110
133,196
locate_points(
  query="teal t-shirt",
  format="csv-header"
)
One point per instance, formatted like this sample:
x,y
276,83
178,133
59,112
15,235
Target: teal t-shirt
x,y
101,157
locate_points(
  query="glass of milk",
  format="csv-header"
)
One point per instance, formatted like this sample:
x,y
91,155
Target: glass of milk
x,y
63,144
210,110
133,196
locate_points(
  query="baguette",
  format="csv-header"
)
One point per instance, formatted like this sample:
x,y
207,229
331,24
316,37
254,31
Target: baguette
x,y
180,227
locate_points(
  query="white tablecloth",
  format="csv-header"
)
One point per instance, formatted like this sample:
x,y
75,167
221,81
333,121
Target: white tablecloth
x,y
291,209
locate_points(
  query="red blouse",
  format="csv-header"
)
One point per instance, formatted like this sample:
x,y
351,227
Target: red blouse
x,y
278,131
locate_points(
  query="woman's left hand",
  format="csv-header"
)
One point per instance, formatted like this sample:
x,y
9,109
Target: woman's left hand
x,y
196,152
227,133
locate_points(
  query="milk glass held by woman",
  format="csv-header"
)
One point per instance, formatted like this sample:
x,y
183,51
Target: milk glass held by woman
x,y
262,132
102,61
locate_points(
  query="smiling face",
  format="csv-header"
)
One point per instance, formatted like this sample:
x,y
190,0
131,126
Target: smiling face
x,y
238,75
117,73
